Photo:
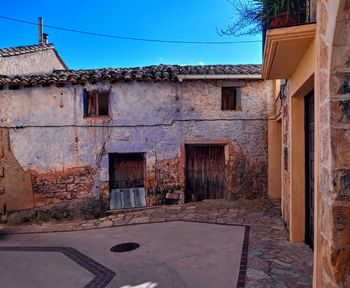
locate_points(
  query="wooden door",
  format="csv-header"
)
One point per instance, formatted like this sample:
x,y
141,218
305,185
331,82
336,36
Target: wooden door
x,y
126,174
309,168
205,172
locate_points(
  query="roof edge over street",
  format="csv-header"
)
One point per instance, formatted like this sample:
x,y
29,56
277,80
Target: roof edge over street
x,y
154,73
220,77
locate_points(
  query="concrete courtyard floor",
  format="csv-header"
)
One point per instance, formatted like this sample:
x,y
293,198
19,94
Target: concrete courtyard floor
x,y
179,247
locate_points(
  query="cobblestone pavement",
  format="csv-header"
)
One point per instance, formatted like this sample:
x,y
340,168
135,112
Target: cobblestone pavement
x,y
273,261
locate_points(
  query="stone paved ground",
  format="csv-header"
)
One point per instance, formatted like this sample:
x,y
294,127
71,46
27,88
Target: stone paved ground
x,y
273,261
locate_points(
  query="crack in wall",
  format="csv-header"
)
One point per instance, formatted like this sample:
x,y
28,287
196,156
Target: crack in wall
x,y
169,124
99,155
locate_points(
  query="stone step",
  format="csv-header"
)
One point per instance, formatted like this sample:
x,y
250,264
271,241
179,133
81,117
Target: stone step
x,y
127,210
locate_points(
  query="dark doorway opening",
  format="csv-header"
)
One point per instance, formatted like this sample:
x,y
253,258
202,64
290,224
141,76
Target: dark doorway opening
x,y
309,168
126,177
205,172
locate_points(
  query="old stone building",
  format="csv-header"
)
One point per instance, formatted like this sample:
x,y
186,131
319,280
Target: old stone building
x,y
92,140
77,143
31,59
309,134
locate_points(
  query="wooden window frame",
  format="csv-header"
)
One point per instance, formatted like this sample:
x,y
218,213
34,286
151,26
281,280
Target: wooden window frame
x,y
96,95
229,105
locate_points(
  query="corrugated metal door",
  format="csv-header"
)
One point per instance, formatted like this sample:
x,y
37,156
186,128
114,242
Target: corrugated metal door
x,y
126,174
205,172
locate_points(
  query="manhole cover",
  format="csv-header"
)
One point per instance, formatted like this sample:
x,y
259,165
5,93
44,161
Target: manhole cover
x,y
125,247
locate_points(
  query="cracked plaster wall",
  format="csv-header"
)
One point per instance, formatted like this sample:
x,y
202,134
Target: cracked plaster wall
x,y
52,139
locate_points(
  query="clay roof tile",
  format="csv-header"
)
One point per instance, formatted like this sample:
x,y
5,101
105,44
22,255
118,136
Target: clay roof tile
x,y
148,73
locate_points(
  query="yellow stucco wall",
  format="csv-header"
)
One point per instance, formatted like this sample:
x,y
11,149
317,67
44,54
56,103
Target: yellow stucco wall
x,y
274,154
299,85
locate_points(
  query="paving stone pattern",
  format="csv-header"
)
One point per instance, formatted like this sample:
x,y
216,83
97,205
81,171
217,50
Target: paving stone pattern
x,y
273,261
102,274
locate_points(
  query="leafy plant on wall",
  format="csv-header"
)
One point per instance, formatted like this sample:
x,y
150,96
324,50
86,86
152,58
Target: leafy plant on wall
x,y
250,16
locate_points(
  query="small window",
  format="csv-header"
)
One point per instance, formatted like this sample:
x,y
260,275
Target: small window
x,y
230,98
96,103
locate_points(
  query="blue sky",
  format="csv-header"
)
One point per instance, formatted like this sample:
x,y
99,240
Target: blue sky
x,y
187,20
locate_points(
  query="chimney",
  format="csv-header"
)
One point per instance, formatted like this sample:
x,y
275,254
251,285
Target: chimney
x,y
40,26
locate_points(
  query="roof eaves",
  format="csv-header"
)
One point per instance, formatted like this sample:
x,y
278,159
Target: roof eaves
x,y
60,59
21,50
182,77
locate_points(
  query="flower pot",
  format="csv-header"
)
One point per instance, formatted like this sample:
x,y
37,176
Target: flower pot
x,y
283,20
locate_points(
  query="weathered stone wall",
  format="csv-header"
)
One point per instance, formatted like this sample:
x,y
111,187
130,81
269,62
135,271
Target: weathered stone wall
x,y
55,186
30,63
247,177
86,208
168,178
286,171
333,255
52,140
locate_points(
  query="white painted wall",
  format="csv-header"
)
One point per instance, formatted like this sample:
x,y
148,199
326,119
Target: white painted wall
x,y
30,63
155,118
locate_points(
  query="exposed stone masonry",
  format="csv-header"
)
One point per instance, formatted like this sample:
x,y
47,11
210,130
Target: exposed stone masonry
x,y
167,174
55,186
248,178
285,159
86,208
334,212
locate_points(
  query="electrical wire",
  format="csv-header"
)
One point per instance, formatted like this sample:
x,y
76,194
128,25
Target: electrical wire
x,y
131,38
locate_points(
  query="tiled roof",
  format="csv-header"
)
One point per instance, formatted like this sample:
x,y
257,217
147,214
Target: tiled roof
x,y
149,73
13,51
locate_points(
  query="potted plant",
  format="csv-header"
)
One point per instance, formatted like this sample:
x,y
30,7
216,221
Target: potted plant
x,y
252,15
285,12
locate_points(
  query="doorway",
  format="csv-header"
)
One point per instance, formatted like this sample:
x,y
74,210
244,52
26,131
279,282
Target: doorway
x,y
126,177
309,168
205,172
